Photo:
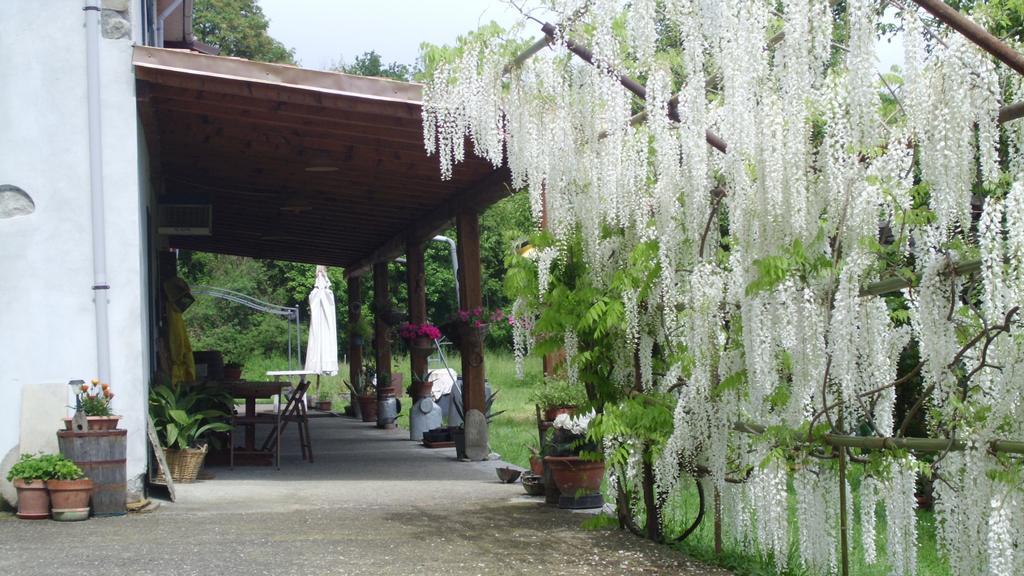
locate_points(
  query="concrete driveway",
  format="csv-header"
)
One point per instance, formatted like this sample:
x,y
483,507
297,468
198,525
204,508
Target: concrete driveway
x,y
372,503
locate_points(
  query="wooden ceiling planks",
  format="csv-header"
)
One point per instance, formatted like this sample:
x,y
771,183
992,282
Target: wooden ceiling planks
x,y
293,123
182,97
242,134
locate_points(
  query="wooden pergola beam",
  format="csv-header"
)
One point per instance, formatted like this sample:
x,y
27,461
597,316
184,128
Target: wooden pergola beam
x,y
355,342
487,191
382,346
630,84
299,113
981,37
258,251
284,83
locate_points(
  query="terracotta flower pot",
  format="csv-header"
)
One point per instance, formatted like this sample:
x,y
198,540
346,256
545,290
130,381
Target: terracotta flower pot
x,y
324,405
368,408
574,475
537,465
97,423
33,499
421,389
232,373
70,494
552,412
551,493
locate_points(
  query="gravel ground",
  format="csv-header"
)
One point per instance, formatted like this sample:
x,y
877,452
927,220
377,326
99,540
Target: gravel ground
x,y
373,503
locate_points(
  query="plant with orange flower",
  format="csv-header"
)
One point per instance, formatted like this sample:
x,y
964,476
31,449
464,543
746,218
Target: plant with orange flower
x,y
95,398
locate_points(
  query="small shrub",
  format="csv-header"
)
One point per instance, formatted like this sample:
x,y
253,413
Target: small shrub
x,y
44,467
559,393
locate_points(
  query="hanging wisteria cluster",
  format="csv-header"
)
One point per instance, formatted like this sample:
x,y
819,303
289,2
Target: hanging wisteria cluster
x,y
753,311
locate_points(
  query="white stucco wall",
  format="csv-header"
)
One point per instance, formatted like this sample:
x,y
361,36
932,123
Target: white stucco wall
x,y
47,325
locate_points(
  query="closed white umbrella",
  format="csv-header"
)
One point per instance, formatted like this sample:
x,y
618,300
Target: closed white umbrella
x,y
322,349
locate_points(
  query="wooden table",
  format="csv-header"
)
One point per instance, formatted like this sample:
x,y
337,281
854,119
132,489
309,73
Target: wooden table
x,y
251,391
277,374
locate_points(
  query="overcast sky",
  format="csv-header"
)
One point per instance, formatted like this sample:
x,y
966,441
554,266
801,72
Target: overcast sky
x,y
324,31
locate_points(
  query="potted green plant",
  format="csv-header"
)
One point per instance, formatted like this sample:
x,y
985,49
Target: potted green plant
x,y
365,393
388,313
558,396
536,461
360,331
184,417
421,386
93,399
233,370
323,400
459,432
70,491
29,476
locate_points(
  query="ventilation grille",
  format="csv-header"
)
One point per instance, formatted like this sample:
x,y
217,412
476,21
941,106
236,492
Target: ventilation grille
x,y
185,219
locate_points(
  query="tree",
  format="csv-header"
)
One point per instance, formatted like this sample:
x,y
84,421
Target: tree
x,y
370,64
238,28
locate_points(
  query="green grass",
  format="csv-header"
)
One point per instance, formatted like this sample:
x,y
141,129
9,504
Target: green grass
x,y
701,545
511,432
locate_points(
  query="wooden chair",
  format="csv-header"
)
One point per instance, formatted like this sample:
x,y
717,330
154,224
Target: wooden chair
x,y
295,411
274,419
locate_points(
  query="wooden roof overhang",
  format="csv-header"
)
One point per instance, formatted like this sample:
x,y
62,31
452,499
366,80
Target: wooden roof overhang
x,y
241,135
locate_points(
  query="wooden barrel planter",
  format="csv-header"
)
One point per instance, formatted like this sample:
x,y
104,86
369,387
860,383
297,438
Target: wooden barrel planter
x,y
102,455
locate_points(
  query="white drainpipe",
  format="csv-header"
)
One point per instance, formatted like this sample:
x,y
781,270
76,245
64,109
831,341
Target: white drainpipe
x,y
99,241
455,265
160,21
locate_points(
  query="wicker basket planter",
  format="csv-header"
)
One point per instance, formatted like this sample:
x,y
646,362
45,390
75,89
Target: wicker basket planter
x,y
184,464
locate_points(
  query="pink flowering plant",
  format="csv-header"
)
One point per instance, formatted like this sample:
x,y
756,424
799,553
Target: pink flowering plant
x,y
410,331
479,317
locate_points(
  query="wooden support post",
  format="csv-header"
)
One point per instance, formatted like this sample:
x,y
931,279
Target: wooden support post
x,y
382,303
355,341
417,291
467,223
